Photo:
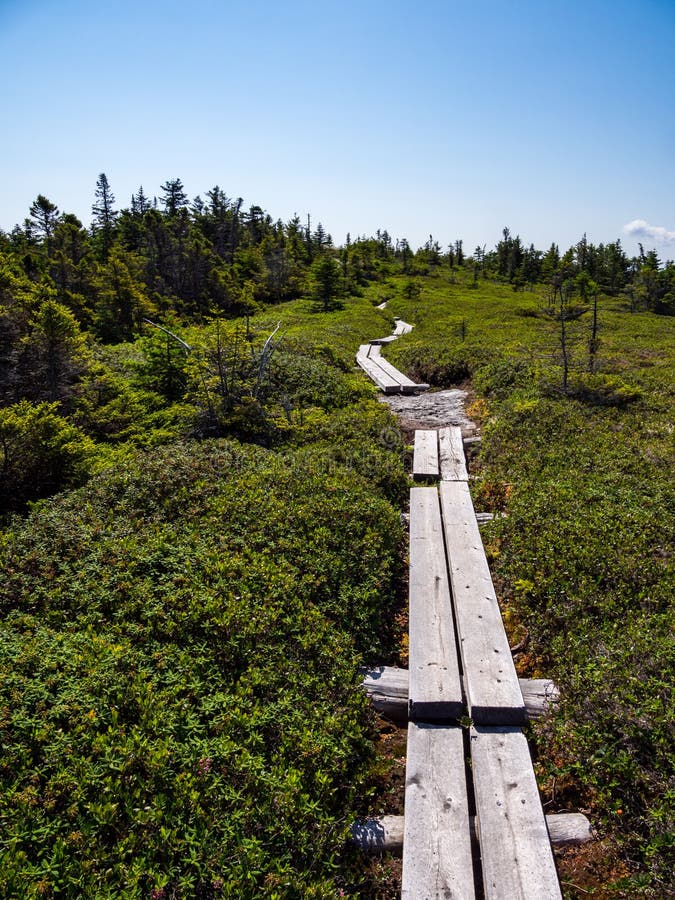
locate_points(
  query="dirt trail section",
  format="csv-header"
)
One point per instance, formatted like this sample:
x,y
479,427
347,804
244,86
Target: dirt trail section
x,y
431,410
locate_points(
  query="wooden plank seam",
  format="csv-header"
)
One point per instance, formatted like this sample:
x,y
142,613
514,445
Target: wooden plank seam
x,y
516,856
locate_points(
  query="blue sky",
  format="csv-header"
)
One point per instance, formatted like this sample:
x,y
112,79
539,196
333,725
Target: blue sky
x,y
453,118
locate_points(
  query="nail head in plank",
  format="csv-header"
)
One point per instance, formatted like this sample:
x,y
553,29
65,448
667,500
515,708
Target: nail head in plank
x,y
493,693
451,454
437,858
516,856
435,683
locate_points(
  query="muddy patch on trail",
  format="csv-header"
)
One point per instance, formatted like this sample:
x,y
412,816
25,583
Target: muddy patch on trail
x,y
434,409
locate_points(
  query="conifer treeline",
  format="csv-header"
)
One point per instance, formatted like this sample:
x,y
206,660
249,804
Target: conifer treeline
x,y
212,256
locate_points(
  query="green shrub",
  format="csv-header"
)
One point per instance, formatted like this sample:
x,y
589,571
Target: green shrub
x,y
179,648
40,453
604,390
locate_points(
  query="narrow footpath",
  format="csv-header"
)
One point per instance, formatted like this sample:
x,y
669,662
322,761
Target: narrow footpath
x,y
473,824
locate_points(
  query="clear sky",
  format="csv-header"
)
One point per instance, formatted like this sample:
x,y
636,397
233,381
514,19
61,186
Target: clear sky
x,y
455,118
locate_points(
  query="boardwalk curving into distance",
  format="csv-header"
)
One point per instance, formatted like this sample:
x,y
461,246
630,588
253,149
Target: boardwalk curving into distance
x,y
461,672
386,376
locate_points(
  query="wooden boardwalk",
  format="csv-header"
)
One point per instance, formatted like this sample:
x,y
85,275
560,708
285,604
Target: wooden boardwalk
x,y
440,454
435,689
461,669
386,376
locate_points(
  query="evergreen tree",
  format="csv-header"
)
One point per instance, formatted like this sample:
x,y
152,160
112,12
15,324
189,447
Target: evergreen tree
x,y
43,218
326,287
54,355
140,204
104,215
174,197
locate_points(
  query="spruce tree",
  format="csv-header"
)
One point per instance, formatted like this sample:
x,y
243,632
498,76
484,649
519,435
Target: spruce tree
x,y
104,216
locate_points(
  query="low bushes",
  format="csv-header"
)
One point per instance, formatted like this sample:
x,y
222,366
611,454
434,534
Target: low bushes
x,y
178,658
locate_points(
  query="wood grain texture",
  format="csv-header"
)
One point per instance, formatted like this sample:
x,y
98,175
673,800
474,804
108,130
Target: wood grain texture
x,y
434,678
493,693
408,386
451,454
516,856
387,689
385,382
425,455
437,858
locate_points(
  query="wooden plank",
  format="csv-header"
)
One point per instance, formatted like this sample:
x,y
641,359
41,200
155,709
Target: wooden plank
x,y
385,383
451,452
437,838
408,386
435,683
387,690
425,456
492,689
402,327
385,340
384,834
516,856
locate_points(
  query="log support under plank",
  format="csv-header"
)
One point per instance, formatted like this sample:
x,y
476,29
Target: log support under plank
x,y
387,689
384,834
437,857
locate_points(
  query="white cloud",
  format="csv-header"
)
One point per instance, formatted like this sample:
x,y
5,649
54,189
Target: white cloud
x,y
638,228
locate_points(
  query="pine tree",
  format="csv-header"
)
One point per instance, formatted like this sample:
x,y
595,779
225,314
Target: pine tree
x,y
174,197
104,215
43,218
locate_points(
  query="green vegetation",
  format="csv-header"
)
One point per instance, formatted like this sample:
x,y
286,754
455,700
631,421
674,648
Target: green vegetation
x,y
201,539
583,558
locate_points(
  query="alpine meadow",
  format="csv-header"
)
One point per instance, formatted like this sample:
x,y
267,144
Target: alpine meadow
x,y
203,544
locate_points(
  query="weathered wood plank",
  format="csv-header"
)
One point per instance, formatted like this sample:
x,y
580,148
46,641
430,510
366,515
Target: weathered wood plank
x,y
484,517
408,386
539,695
451,452
493,692
384,834
425,455
435,683
516,856
437,838
387,689
386,383
402,327
385,340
